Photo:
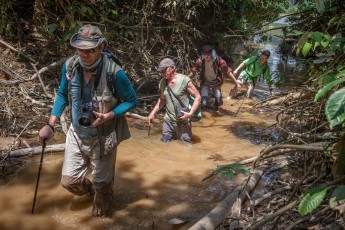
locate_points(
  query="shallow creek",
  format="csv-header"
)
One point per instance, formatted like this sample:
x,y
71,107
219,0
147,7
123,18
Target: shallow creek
x,y
155,182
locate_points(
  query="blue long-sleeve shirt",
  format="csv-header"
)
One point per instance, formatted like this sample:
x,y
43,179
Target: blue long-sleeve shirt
x,y
123,86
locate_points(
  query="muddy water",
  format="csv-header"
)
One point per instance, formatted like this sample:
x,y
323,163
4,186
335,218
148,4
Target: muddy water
x,y
155,182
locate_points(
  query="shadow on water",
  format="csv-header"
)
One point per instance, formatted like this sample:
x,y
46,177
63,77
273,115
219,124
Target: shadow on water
x,y
257,133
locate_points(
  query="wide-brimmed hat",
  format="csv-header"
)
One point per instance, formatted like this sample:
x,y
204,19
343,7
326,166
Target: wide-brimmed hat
x,y
206,50
88,37
165,63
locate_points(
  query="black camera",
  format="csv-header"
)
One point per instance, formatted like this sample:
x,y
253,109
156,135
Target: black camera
x,y
87,117
178,111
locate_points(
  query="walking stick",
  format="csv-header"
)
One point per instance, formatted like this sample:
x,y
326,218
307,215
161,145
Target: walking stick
x,y
38,178
239,107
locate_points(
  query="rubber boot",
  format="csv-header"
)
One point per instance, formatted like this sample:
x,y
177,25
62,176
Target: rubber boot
x,y
103,200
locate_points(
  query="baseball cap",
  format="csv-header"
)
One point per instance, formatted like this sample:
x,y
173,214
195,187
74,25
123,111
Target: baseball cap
x,y
206,50
165,63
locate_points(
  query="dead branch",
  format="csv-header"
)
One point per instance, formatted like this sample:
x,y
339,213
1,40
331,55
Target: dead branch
x,y
270,194
33,77
221,211
307,147
289,98
37,150
17,51
286,208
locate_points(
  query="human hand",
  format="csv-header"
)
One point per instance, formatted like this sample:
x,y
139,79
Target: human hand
x,y
239,86
46,133
101,118
150,119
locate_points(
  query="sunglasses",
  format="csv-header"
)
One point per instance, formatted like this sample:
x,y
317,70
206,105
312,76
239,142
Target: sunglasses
x,y
88,51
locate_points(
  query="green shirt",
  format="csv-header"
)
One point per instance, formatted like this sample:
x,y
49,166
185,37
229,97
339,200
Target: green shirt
x,y
180,90
254,69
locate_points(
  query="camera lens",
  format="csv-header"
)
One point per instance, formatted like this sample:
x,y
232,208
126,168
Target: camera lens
x,y
85,121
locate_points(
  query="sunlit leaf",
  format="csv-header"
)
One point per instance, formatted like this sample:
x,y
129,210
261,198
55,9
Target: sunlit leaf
x,y
337,197
306,48
341,74
302,40
327,88
335,108
311,200
324,43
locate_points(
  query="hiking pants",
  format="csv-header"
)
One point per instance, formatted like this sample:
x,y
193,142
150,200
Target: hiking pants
x,y
82,154
177,131
205,94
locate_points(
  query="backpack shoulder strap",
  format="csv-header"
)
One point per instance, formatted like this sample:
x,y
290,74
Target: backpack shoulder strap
x,y
72,64
112,70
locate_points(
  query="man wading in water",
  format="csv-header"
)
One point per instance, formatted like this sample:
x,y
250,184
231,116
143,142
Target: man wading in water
x,y
97,125
175,90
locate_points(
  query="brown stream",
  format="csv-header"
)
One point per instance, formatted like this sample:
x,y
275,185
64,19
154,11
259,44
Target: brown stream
x,y
155,182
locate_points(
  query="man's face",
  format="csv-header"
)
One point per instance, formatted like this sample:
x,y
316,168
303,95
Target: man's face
x,y
263,58
166,72
90,56
207,57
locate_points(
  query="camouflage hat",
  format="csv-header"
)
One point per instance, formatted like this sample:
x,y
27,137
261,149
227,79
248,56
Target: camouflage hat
x,y
88,37
165,63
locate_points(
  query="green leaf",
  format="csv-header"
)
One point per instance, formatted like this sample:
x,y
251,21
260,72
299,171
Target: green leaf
x,y
335,108
327,88
302,41
52,28
338,196
341,74
311,200
316,36
320,6
316,44
230,170
325,43
306,48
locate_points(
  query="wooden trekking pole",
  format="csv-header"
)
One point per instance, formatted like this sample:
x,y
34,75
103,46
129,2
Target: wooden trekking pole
x,y
239,107
38,178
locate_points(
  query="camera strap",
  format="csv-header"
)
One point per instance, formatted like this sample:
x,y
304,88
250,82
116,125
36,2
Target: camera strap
x,y
178,99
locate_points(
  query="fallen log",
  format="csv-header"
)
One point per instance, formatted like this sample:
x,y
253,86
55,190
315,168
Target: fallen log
x,y
222,210
36,150
288,98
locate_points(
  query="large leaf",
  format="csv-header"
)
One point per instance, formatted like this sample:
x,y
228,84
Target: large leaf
x,y
311,200
302,41
327,88
337,197
230,170
306,48
335,108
